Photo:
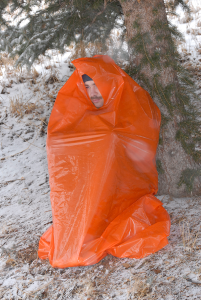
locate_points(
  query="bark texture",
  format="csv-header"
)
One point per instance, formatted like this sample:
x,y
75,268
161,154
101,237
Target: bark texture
x,y
171,153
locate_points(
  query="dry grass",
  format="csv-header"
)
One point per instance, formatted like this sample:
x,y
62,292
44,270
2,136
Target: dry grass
x,y
139,289
27,255
194,9
5,60
35,73
199,24
186,19
52,79
7,64
10,262
188,238
19,108
7,67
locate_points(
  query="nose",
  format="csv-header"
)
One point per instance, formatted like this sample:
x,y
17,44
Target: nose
x,y
93,91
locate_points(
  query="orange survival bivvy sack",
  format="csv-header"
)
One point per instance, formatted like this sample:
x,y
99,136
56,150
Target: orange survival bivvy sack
x,y
102,170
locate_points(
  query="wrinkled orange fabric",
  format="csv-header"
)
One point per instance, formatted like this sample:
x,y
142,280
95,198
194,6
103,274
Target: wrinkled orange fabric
x,y
102,170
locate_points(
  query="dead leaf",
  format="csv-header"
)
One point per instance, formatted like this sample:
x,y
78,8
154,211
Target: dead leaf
x,y
126,265
156,271
10,262
171,278
51,96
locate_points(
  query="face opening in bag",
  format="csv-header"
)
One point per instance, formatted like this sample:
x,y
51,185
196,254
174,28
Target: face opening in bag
x,y
93,91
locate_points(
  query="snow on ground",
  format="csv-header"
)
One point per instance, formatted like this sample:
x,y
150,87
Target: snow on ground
x,y
190,27
26,100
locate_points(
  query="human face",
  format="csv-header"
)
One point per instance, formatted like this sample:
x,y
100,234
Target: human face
x,y
94,93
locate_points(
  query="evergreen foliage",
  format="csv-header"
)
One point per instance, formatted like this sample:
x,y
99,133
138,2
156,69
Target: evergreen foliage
x,y
56,24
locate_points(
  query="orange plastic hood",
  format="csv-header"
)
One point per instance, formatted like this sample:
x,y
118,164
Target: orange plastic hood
x,y
102,170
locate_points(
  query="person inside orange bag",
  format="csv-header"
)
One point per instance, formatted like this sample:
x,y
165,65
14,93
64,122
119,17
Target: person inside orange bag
x,y
102,139
93,91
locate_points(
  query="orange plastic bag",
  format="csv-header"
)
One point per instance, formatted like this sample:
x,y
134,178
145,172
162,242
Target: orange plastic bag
x,y
102,170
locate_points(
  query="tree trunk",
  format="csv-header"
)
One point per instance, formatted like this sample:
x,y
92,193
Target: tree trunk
x,y
141,19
